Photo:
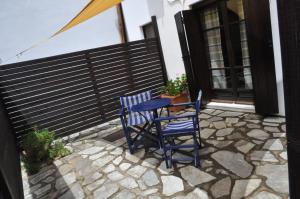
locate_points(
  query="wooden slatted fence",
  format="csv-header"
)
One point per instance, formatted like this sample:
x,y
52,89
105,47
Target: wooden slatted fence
x,y
72,92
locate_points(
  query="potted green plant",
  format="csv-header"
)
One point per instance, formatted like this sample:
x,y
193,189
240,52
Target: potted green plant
x,y
177,91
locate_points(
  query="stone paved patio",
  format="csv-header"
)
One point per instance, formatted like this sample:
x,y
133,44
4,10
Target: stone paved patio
x,y
244,156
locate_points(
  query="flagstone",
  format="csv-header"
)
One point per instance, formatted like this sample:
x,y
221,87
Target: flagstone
x,y
283,155
131,157
207,150
94,185
129,183
272,129
230,114
265,156
243,188
224,132
115,176
274,119
206,133
214,119
125,166
253,126
239,124
265,195
195,176
137,171
273,145
75,192
171,185
279,135
100,162
204,123
277,176
91,178
232,120
150,178
270,124
219,125
195,194
283,127
219,144
258,134
221,188
109,168
216,112
254,121
240,167
106,191
150,162
98,155
149,192
244,146
125,194
65,180
118,160
91,151
204,116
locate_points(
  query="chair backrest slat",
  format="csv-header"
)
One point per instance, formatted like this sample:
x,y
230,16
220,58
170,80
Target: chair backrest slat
x,y
128,102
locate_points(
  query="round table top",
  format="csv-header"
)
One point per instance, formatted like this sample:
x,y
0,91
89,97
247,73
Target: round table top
x,y
151,105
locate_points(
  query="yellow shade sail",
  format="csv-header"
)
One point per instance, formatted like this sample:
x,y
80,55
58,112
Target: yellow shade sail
x,y
93,8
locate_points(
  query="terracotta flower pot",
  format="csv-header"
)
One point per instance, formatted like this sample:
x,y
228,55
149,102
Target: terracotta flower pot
x,y
181,98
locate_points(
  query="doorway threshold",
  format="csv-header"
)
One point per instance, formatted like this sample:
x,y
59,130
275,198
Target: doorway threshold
x,y
231,107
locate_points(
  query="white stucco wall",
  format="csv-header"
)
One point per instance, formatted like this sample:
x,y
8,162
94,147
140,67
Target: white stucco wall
x,y
27,22
136,14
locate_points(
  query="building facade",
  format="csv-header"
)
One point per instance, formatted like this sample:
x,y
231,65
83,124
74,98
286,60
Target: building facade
x,y
225,47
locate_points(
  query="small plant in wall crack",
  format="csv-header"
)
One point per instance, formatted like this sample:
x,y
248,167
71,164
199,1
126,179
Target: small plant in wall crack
x,y
40,147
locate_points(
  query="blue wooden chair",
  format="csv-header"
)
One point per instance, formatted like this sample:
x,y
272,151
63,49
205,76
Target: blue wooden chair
x,y
174,129
135,125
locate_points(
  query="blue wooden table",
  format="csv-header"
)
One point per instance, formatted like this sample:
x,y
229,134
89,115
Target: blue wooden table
x,y
153,106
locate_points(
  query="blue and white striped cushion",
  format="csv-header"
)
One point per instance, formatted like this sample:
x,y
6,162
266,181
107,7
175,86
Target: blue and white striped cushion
x,y
135,118
182,125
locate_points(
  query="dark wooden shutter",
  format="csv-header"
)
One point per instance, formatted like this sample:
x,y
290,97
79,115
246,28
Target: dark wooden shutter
x,y
289,24
193,53
258,25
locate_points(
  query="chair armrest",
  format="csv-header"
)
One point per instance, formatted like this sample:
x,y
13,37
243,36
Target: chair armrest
x,y
183,104
174,117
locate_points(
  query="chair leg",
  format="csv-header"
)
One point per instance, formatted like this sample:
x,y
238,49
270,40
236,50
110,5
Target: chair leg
x,y
196,151
129,141
199,138
165,153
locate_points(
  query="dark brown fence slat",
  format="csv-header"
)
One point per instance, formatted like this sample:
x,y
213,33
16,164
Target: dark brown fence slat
x,y
75,91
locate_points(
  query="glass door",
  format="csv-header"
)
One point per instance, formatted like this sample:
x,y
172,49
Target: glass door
x,y
223,26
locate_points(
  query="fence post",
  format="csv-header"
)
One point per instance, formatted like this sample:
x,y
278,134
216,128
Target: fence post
x,y
128,66
10,167
95,86
161,54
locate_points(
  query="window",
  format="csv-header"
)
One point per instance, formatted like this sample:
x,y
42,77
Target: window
x,y
223,27
148,31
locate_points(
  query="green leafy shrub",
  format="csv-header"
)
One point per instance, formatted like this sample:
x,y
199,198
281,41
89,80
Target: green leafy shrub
x,y
58,150
39,148
175,87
